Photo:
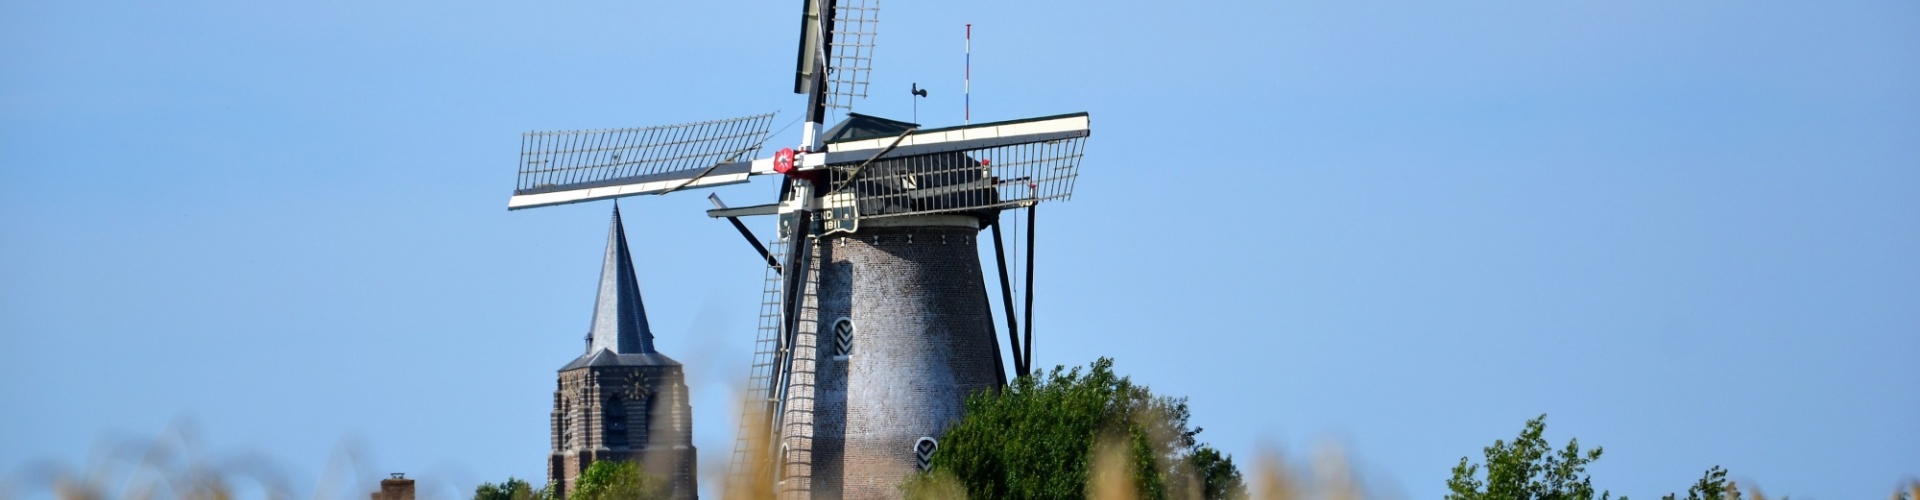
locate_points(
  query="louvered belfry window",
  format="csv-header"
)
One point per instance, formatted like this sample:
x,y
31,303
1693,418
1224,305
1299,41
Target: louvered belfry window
x,y
843,337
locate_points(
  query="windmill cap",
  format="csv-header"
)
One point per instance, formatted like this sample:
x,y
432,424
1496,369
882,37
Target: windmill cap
x,y
859,127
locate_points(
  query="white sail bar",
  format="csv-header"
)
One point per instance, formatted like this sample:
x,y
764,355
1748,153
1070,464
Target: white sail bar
x,y
949,139
944,140
720,175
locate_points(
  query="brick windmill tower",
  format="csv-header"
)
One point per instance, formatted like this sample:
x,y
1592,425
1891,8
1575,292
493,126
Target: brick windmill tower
x,y
875,322
622,400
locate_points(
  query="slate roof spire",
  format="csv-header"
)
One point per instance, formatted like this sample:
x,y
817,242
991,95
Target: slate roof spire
x,y
619,317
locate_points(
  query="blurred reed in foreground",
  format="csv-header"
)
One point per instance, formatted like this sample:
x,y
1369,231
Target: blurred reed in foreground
x,y
171,466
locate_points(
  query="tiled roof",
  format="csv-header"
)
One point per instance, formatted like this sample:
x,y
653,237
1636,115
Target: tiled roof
x,y
619,317
605,357
861,127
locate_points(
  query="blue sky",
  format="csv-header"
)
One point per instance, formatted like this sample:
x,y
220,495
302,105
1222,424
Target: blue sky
x,y
1687,231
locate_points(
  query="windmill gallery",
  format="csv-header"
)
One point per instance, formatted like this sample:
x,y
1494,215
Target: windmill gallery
x,y
875,321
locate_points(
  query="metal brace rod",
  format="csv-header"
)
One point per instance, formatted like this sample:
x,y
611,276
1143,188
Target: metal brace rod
x,y
876,156
1006,299
1031,209
748,234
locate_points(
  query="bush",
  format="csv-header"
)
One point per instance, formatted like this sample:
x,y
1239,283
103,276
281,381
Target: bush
x,y
1039,437
512,489
614,480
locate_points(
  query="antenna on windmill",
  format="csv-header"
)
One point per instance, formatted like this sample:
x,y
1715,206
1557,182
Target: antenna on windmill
x,y
966,85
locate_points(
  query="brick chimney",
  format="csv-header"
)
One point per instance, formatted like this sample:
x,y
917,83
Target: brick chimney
x,y
397,487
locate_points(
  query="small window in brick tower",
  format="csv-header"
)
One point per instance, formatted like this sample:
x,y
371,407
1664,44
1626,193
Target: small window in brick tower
x,y
843,337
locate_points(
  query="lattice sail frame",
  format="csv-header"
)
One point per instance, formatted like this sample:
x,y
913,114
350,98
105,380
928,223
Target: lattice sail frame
x,y
958,181
855,22
756,440
556,161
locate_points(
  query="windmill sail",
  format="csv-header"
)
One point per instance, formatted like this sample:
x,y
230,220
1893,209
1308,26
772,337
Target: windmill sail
x,y
990,165
575,166
855,23
754,440
808,59
847,51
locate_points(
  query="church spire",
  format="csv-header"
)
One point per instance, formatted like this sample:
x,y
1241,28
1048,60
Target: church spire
x,y
619,318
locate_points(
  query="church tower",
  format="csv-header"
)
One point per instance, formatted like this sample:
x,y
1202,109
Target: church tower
x,y
621,399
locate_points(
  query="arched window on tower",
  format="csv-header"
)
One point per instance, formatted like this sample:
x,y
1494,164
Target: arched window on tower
x,y
616,422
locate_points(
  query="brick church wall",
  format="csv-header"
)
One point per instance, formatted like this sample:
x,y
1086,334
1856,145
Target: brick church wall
x,y
659,424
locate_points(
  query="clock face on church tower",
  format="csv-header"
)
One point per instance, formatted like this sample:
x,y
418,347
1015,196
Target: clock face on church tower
x,y
638,386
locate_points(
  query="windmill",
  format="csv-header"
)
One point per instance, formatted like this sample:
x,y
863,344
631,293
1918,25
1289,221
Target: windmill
x,y
874,322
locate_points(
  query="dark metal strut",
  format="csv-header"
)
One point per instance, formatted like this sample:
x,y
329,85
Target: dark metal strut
x,y
1031,209
746,233
1006,299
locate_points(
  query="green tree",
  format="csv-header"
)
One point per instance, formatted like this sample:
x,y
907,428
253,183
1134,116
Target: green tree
x,y
1036,439
617,480
1208,474
1527,469
512,489
1711,486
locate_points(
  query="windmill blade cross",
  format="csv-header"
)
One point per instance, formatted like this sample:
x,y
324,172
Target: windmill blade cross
x,y
864,168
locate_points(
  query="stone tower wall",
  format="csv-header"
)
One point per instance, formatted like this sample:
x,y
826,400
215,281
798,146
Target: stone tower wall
x,y
659,424
923,341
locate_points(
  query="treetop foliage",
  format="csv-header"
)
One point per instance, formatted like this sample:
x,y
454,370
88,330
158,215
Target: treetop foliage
x,y
1038,437
610,480
1529,469
1711,486
512,489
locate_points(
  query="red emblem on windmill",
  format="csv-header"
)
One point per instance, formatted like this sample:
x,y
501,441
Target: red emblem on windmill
x,y
783,161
